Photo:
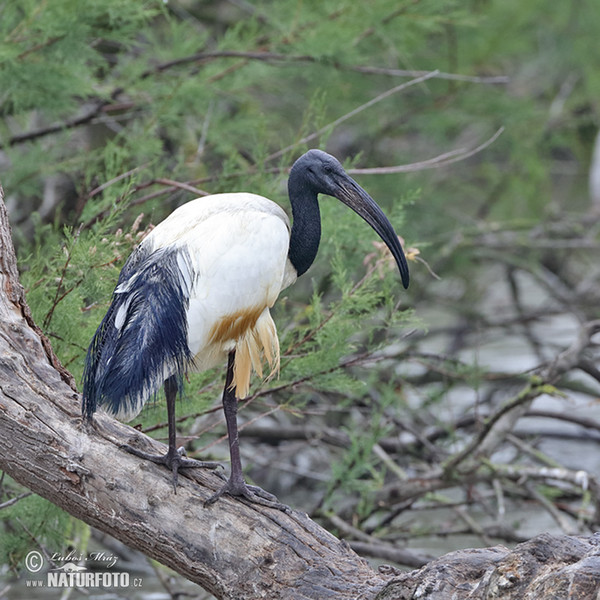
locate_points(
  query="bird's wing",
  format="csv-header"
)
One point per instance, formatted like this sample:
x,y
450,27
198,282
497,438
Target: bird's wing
x,y
240,264
202,275
142,340
237,245
182,224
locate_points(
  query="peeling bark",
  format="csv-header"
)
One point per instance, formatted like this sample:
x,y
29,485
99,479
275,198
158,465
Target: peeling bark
x,y
547,566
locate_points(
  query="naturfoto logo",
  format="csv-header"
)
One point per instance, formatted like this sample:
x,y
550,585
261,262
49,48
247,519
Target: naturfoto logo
x,y
73,572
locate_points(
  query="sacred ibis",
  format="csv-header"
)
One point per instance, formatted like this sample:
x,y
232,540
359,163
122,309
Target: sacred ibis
x,y
197,291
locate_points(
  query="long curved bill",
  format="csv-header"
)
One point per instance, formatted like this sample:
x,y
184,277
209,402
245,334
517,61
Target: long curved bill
x,y
353,196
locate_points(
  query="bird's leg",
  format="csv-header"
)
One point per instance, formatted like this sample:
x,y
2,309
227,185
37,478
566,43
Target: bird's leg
x,y
236,485
175,458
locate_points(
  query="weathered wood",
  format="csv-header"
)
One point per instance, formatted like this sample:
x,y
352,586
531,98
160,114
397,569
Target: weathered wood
x,y
545,567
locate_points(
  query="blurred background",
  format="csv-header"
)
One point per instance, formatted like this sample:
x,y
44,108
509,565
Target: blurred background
x,y
463,412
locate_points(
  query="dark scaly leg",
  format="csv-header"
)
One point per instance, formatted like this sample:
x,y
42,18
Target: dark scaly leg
x,y
175,458
236,485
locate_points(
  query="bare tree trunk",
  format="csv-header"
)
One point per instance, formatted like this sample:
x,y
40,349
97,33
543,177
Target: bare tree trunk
x,y
232,549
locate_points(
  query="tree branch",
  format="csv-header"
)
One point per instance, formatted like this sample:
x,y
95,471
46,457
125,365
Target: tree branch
x,y
89,115
102,105
45,446
545,567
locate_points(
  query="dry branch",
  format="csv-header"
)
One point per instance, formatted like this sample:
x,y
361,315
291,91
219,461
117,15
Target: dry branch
x,y
544,567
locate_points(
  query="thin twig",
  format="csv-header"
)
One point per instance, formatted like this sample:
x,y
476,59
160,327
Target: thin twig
x,y
58,296
14,501
84,119
498,79
354,112
97,190
181,186
560,519
433,163
276,57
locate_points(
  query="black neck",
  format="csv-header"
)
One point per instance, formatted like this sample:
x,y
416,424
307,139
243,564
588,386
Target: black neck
x,y
306,226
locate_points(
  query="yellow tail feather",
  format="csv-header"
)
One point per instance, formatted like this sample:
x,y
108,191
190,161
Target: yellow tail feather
x,y
256,342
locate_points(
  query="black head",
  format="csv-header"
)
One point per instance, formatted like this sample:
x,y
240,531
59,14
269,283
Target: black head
x,y
317,172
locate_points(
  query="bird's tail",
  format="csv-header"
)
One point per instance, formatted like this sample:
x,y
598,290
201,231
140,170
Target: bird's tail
x,y
142,340
258,341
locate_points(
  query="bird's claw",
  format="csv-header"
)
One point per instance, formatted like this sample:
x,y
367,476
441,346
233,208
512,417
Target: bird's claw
x,y
173,461
185,462
252,493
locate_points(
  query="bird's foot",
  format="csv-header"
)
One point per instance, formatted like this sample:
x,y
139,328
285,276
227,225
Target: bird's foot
x,y
252,493
173,461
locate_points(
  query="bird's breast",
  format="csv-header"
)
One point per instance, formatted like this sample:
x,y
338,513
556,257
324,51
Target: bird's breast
x,y
236,247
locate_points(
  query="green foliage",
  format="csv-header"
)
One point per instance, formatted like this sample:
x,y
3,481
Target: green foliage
x,y
224,99
358,471
32,523
71,274
50,51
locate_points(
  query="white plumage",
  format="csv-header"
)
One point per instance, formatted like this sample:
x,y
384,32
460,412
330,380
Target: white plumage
x,y
198,291
238,245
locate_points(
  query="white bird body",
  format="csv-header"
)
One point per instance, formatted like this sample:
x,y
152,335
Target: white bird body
x,y
198,290
232,258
